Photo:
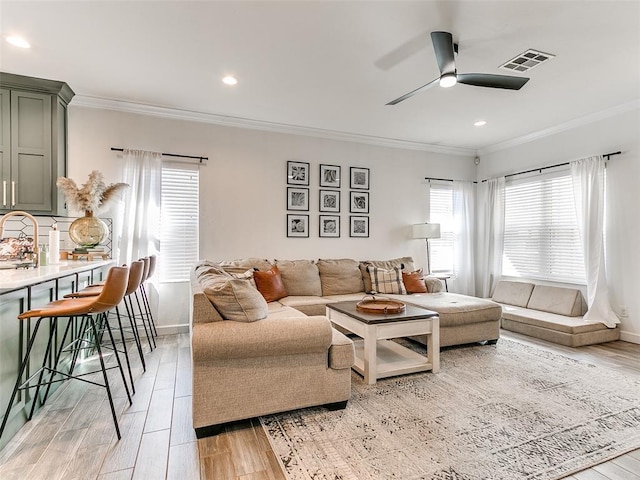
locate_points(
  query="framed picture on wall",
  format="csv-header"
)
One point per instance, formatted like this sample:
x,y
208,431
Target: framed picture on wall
x,y
358,226
298,199
330,176
297,173
330,201
330,226
297,225
359,178
358,202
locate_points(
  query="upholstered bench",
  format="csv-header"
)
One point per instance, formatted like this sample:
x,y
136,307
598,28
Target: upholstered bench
x,y
550,313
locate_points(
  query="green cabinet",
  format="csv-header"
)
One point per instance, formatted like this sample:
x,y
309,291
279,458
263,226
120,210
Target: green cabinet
x,y
33,143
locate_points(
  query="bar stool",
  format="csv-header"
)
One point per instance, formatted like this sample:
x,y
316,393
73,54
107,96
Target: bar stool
x,y
88,308
135,278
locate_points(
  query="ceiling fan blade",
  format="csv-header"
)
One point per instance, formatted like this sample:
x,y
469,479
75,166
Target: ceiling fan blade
x,y
443,46
493,81
413,92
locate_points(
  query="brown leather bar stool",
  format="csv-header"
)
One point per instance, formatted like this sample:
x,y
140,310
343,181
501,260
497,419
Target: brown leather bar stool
x,y
135,278
92,310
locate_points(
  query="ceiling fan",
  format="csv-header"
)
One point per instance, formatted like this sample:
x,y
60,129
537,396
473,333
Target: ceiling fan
x,y
445,50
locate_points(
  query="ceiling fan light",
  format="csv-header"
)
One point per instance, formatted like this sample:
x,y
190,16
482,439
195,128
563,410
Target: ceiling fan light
x,y
448,80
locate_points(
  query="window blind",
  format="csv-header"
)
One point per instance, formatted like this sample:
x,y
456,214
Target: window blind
x,y
541,239
441,211
179,222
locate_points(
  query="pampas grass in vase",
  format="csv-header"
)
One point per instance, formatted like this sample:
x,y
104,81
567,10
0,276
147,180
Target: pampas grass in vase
x,y
93,197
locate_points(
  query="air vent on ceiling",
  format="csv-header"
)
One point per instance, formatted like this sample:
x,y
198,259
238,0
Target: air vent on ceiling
x,y
527,60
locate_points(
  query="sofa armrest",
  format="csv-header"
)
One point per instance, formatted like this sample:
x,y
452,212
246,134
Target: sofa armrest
x,y
342,353
264,338
434,285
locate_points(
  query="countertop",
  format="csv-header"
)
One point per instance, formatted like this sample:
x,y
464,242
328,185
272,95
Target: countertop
x,y
15,279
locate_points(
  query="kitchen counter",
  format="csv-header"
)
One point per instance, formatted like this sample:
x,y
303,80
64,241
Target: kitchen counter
x,y
15,279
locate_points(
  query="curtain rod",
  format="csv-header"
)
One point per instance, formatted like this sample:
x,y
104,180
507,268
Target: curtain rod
x,y
446,179
200,159
606,155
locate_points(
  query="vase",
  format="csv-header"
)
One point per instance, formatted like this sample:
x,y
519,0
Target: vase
x,y
88,231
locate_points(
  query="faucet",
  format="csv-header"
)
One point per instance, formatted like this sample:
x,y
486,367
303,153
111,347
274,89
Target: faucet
x,y
35,230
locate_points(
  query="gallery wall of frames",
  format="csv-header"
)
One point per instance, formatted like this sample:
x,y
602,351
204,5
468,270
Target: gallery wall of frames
x,y
330,196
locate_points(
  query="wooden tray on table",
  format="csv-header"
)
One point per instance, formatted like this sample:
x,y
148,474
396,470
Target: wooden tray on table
x,y
380,306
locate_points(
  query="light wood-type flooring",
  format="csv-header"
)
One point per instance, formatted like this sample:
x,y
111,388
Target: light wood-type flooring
x,y
73,437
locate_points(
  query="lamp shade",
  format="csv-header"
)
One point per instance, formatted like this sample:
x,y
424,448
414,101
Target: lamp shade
x,y
426,230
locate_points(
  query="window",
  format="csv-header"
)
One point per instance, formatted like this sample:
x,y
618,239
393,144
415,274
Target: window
x,y
178,222
541,238
441,211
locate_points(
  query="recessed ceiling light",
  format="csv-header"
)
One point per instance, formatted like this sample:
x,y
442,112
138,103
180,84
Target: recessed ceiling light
x,y
18,41
479,123
229,80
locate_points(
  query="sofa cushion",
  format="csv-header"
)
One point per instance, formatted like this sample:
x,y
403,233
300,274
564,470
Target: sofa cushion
x,y
405,263
386,280
300,277
434,285
551,321
454,309
244,264
563,301
340,276
270,284
414,282
235,299
513,293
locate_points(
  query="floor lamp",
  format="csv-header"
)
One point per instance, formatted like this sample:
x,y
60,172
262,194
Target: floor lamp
x,y
427,231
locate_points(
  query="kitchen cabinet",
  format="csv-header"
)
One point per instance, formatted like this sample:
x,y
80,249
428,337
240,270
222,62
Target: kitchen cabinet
x,y
33,143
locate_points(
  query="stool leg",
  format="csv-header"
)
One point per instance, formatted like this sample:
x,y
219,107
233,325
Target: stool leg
x,y
56,360
136,335
104,375
147,306
76,351
142,317
115,352
23,367
124,346
52,330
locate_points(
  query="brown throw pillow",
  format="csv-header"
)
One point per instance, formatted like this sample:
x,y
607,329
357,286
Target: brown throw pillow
x,y
414,282
270,284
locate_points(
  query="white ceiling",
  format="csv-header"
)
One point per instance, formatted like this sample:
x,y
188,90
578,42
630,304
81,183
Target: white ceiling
x,y
333,65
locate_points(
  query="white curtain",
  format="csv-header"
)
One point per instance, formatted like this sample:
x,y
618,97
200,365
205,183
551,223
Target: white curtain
x,y
141,223
490,235
588,192
463,279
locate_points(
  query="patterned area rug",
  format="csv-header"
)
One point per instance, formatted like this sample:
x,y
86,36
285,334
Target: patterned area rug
x,y
504,412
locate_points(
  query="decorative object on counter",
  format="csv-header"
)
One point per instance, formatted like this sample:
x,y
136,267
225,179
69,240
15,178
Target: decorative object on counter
x,y
34,250
54,245
93,197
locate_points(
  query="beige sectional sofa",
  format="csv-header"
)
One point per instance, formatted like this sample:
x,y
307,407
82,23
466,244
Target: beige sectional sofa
x,y
293,358
550,313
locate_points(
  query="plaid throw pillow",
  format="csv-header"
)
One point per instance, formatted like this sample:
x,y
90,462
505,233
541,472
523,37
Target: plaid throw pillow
x,y
386,281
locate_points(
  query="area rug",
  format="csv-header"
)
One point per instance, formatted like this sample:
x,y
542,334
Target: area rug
x,y
503,412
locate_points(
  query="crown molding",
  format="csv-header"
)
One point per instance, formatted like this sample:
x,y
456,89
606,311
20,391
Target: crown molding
x,y
570,125
188,115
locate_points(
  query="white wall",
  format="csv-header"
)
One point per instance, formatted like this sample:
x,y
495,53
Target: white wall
x,y
243,187
621,132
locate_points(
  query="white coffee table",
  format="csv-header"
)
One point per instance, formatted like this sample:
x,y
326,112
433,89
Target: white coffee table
x,y
377,356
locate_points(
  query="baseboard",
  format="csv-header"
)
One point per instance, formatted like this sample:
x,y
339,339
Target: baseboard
x,y
172,329
630,337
